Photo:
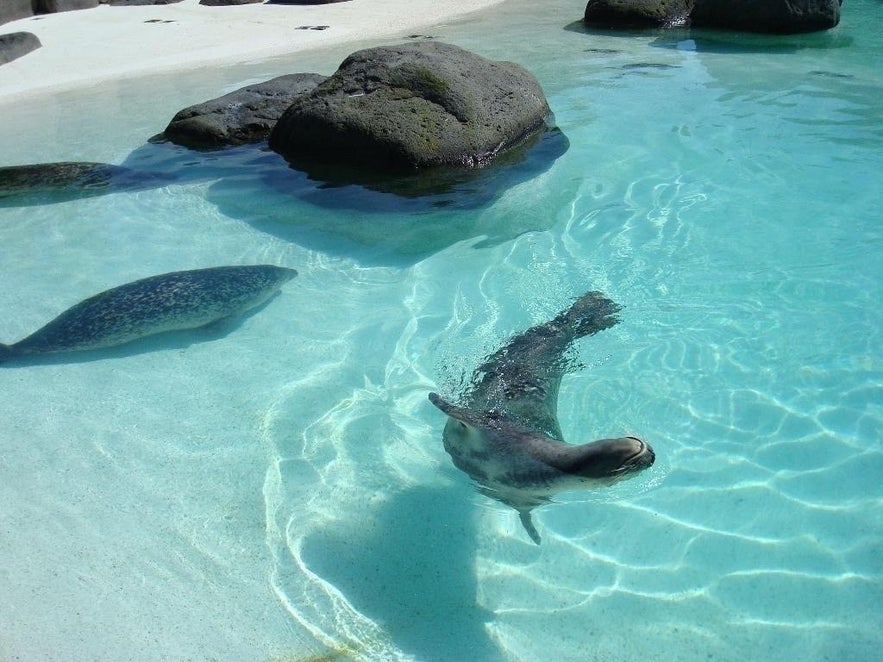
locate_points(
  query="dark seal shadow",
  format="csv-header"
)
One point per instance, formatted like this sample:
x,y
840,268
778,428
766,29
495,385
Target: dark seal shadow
x,y
412,569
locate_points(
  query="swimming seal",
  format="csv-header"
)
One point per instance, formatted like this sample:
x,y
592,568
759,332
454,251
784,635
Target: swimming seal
x,y
506,434
168,302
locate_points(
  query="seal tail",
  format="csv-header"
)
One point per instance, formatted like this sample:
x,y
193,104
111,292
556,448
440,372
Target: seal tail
x,y
591,313
527,522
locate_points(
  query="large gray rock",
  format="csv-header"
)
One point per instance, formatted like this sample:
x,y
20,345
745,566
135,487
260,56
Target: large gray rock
x,y
419,104
16,44
12,10
53,6
246,115
637,13
777,16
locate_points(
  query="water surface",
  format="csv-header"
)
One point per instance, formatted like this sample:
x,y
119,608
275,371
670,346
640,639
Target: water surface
x,y
281,491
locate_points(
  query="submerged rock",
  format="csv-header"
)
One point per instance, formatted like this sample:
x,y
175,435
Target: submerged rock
x,y
16,44
246,115
411,106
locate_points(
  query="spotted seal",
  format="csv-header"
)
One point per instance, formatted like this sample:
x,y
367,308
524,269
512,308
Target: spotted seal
x,y
506,436
169,302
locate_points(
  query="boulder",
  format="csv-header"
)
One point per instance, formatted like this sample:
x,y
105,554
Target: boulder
x,y
12,10
775,16
53,6
411,106
16,44
638,13
246,115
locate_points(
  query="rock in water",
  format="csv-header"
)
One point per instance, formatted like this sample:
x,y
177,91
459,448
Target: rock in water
x,y
771,16
410,106
245,115
638,13
169,302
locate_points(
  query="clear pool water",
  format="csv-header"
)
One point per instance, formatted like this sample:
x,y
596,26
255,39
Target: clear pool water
x,y
281,492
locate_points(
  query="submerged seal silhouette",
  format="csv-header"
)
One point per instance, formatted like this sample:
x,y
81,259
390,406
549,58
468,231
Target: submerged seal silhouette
x,y
506,434
169,302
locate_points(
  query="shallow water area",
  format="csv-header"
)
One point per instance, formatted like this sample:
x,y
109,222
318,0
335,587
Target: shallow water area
x,y
279,490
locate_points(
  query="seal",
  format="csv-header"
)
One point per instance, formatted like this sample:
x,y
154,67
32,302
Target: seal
x,y
169,302
506,435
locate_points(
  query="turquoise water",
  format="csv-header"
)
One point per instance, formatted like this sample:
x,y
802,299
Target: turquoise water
x,y
281,491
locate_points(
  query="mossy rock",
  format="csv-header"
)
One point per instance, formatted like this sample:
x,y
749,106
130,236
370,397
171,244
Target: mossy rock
x,y
412,106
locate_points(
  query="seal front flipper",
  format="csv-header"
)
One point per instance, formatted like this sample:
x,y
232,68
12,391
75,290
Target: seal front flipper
x,y
527,522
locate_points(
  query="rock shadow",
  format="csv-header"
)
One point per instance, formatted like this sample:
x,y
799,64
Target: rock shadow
x,y
445,187
396,220
413,572
720,41
730,42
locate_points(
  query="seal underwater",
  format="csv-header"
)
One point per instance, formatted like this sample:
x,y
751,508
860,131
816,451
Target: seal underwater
x,y
169,302
506,434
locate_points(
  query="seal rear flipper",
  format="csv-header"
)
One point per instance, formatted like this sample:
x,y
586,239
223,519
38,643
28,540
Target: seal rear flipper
x,y
591,313
527,522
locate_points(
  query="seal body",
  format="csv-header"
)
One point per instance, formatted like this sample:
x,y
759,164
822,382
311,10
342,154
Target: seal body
x,y
506,434
169,302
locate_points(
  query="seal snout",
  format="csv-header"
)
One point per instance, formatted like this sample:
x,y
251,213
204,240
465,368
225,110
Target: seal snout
x,y
634,455
643,457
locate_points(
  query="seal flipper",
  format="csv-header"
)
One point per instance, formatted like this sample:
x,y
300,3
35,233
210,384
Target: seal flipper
x,y
527,522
